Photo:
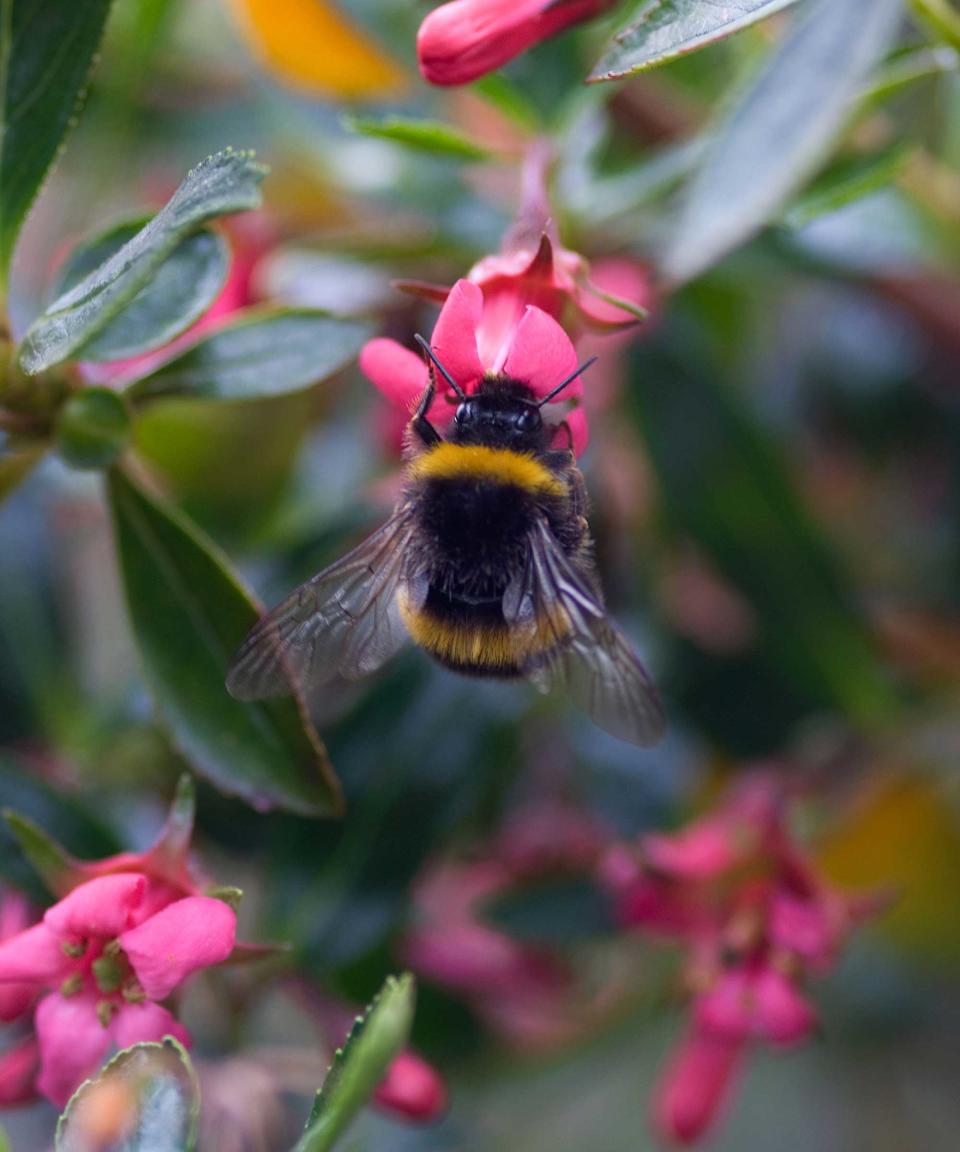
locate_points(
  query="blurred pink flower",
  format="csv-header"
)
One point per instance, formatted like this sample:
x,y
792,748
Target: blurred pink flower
x,y
462,40
522,990
412,1089
536,351
15,916
104,955
736,887
18,1073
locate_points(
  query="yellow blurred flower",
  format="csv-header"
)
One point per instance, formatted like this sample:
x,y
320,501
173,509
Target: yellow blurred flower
x,y
311,46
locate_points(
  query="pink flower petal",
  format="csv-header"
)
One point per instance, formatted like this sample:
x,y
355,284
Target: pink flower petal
x,y
412,1088
761,1005
138,1023
73,1043
541,355
454,339
809,928
398,373
573,432
103,908
35,956
18,1071
15,999
696,1087
190,934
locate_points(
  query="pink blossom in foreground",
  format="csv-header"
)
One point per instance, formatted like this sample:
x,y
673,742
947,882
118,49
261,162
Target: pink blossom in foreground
x,y
101,960
462,40
537,352
757,919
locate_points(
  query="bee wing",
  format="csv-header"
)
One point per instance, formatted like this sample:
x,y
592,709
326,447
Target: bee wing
x,y
582,651
344,622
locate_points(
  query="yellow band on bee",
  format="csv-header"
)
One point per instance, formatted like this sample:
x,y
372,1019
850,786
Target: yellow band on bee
x,y
482,645
477,462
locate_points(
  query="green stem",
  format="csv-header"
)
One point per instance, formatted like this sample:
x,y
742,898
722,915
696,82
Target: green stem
x,y
940,17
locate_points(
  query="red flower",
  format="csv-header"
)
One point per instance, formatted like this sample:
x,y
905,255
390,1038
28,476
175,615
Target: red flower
x,y
412,1089
535,351
104,954
465,39
696,1086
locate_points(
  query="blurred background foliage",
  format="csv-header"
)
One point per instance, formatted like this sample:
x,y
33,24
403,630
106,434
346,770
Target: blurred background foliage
x,y
775,473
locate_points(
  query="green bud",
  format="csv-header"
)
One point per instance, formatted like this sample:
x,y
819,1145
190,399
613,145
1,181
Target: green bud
x,y
93,428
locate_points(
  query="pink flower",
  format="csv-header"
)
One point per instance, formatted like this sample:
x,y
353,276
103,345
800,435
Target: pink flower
x,y
18,1073
696,1086
535,351
465,39
103,955
412,1089
15,915
738,889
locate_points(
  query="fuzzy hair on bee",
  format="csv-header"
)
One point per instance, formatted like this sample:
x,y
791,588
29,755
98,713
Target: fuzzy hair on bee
x,y
486,564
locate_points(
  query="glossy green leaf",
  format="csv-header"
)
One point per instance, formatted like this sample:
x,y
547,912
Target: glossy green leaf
x,y
724,486
152,1092
181,290
780,130
264,353
359,1066
431,136
665,29
48,50
224,183
189,614
846,181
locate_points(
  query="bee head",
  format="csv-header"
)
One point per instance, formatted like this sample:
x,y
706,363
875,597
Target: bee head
x,y
501,411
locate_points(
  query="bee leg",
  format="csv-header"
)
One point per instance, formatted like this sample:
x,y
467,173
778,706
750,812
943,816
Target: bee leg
x,y
419,423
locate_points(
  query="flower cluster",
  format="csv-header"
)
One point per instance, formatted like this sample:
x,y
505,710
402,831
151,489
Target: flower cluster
x,y
93,972
461,41
736,888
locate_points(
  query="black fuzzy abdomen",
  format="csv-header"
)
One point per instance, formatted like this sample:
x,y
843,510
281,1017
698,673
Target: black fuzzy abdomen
x,y
477,531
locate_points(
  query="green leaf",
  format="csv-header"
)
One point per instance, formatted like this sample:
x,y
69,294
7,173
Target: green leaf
x,y
4,1140
906,68
263,353
152,1092
846,181
665,29
52,863
359,1066
726,488
780,130
553,910
189,614
16,466
181,290
47,51
431,136
224,183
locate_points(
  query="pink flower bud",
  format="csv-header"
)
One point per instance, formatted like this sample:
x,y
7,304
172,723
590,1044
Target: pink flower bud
x,y
412,1088
696,1086
465,39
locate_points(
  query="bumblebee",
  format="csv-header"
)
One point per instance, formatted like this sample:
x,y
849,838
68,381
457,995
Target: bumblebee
x,y
486,563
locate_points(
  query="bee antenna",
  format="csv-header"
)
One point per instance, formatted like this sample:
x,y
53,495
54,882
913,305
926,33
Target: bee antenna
x,y
569,380
443,372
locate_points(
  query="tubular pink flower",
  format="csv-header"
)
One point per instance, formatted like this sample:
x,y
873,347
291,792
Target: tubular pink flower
x,y
412,1088
190,934
18,1073
465,39
696,1086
